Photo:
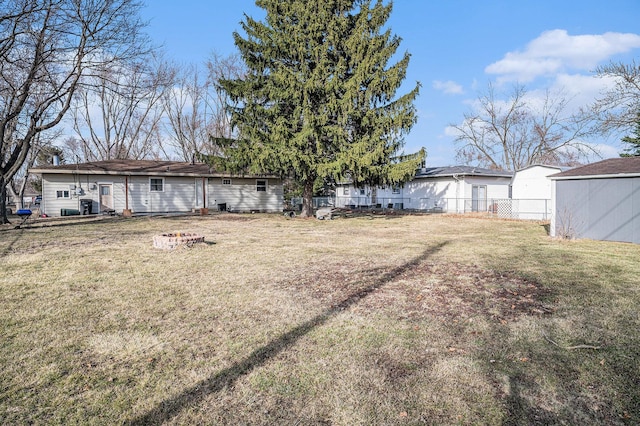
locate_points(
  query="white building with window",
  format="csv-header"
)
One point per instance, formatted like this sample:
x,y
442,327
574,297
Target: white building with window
x,y
148,187
453,189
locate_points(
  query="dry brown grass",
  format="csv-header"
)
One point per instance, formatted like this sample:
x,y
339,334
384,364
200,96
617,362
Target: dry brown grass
x,y
400,320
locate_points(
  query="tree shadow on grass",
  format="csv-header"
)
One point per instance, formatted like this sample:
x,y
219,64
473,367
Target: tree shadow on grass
x,y
520,412
10,246
590,379
172,406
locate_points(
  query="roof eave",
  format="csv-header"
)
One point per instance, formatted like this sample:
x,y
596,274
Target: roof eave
x,y
602,176
146,173
464,175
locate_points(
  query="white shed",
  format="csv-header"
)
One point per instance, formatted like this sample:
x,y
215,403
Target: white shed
x,y
531,191
600,201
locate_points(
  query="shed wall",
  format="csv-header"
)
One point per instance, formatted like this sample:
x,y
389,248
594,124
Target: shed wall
x,y
531,192
532,183
600,209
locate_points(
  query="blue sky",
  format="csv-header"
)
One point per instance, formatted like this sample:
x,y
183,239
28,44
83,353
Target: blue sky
x,y
457,48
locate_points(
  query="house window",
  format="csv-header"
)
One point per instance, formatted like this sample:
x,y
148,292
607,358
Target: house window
x,y
345,190
156,184
362,191
395,190
226,181
261,185
62,194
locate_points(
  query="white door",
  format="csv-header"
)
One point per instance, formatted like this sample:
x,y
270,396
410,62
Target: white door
x,y
106,197
479,198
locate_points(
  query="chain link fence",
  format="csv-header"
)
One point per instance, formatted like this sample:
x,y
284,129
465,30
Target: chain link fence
x,y
530,209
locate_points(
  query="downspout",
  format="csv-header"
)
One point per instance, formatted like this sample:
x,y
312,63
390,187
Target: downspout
x,y
204,193
41,208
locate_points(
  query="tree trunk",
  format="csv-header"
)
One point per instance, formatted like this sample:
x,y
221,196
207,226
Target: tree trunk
x,y
3,201
307,199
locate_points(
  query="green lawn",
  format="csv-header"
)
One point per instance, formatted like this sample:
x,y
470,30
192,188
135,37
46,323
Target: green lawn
x,y
356,321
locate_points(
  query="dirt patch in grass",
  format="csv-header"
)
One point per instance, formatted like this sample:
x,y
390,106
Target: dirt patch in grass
x,y
448,291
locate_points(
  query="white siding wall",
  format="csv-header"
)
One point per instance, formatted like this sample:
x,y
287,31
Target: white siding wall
x,y
243,196
450,194
50,204
178,194
383,196
86,187
497,187
429,193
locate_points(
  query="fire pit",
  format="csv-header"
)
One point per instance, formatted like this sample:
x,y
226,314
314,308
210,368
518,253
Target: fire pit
x,y
172,240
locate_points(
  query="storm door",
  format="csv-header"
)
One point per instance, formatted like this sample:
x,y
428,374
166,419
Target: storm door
x,y
106,197
479,198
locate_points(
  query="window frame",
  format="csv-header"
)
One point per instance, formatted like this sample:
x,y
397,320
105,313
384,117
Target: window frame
x,y
154,187
226,181
261,187
63,194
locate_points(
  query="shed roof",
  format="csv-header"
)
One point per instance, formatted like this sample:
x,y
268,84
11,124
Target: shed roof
x,y
134,167
610,168
548,166
460,171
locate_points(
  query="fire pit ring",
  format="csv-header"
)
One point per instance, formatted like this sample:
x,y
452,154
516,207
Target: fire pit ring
x,y
173,240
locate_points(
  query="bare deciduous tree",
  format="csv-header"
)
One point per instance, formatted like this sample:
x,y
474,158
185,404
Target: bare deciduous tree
x,y
41,143
221,68
117,113
186,108
46,49
618,108
517,132
196,110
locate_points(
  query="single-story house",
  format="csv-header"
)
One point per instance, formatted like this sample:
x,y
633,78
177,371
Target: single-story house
x,y
455,189
600,201
531,191
147,187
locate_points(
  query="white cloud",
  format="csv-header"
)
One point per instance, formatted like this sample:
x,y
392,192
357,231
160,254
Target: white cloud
x,y
449,87
556,51
451,132
605,151
577,90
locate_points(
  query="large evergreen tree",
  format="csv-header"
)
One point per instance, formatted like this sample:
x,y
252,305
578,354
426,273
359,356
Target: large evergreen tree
x,y
633,142
319,99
